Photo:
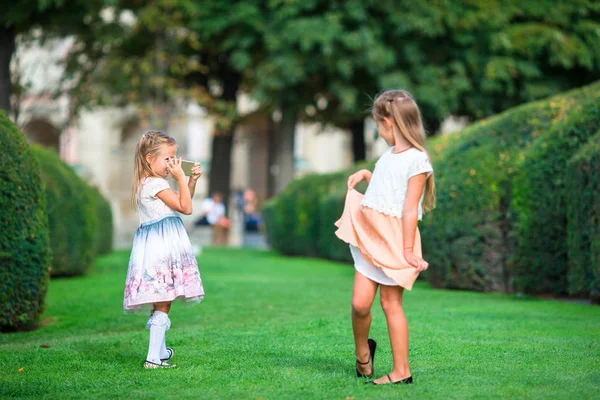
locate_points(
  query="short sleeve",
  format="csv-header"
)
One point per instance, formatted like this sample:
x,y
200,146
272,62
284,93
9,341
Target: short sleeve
x,y
420,165
156,185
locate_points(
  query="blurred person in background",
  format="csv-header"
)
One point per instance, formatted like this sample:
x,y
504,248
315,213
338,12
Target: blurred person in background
x,y
213,214
252,218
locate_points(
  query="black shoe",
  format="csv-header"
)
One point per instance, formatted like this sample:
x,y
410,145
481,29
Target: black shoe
x,y
372,348
405,381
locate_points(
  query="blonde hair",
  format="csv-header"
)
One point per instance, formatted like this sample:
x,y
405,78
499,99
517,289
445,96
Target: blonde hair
x,y
150,144
400,108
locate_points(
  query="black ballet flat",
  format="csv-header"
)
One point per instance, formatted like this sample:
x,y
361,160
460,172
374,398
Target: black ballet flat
x,y
405,381
372,348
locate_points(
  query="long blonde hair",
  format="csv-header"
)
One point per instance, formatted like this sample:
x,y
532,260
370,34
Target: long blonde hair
x,y
400,108
150,144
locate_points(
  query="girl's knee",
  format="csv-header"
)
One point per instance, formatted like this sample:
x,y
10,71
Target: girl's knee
x,y
360,308
391,306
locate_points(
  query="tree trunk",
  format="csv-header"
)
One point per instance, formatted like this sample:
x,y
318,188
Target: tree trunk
x,y
357,129
432,126
220,166
284,148
271,162
222,144
7,48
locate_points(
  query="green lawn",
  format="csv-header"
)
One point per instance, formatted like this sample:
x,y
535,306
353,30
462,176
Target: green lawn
x,y
274,328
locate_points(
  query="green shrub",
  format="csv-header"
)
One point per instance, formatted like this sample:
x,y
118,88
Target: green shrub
x,y
330,207
583,220
300,220
103,238
71,209
24,245
494,180
539,194
292,219
467,239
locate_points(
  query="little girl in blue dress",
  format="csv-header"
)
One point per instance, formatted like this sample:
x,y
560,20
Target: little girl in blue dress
x,y
162,266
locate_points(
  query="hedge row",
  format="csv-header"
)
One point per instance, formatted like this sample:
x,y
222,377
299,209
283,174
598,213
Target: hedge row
x,y
299,221
583,216
500,222
87,230
540,193
103,238
52,223
292,225
24,244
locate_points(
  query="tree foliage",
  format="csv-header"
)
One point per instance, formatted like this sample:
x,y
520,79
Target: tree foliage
x,y
324,60
479,58
54,17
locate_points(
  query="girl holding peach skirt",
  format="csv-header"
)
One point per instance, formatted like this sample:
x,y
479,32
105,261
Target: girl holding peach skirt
x,y
381,230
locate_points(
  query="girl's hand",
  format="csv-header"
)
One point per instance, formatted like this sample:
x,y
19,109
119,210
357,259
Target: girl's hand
x,y
416,261
196,171
174,168
357,177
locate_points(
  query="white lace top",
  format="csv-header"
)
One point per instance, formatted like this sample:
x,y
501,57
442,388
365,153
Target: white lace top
x,y
389,183
151,207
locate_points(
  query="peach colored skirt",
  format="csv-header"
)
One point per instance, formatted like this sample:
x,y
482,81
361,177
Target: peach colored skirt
x,y
378,237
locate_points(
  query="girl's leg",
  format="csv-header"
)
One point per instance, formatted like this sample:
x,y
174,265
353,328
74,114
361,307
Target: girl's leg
x,y
158,324
391,302
166,308
362,300
163,307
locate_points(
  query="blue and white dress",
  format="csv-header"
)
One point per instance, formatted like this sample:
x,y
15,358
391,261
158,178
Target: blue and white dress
x,y
162,266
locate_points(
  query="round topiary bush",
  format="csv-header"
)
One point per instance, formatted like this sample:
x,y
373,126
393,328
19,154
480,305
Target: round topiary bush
x,y
583,220
24,243
540,192
292,218
103,238
72,217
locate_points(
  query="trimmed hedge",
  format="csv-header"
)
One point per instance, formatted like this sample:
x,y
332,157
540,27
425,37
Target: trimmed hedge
x,y
467,238
292,219
103,237
500,221
540,195
583,216
24,244
72,215
329,211
300,220
484,173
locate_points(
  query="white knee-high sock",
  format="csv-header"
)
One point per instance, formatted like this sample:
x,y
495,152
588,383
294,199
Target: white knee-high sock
x,y
158,323
163,348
